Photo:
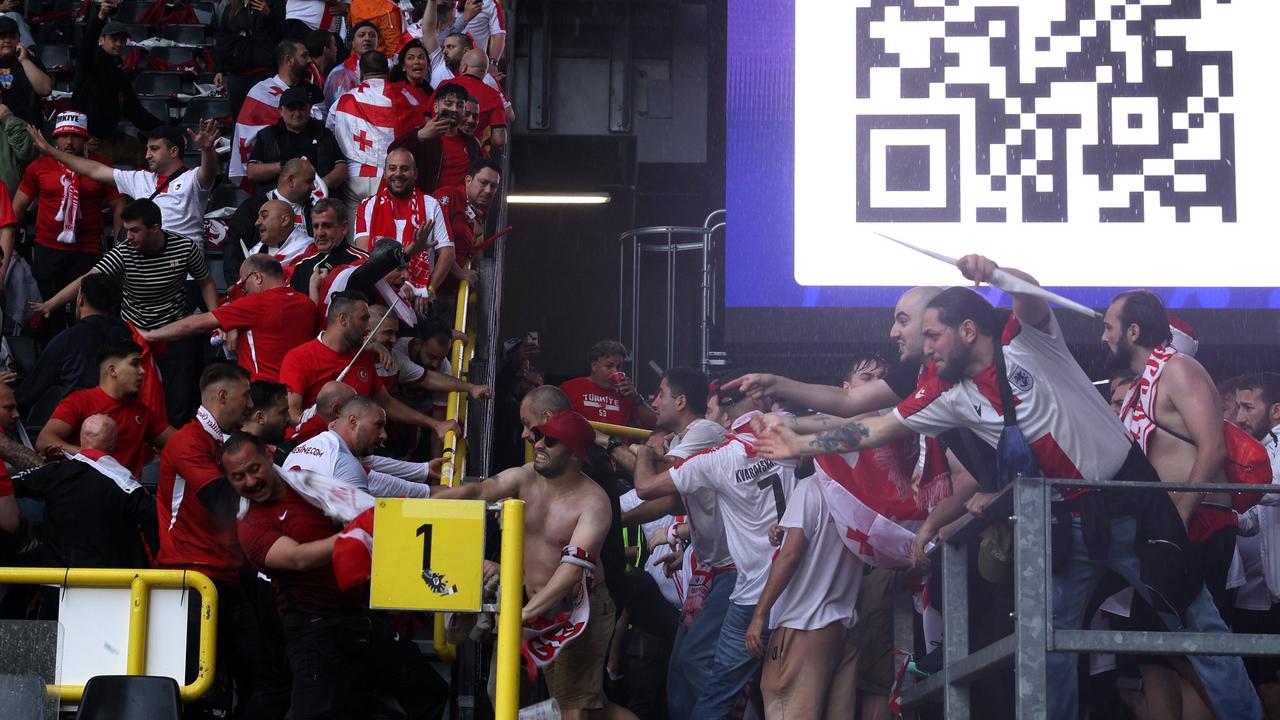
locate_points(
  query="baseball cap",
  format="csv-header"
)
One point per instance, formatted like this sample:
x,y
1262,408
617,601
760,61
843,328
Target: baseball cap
x,y
8,26
71,123
114,27
1185,339
301,94
571,429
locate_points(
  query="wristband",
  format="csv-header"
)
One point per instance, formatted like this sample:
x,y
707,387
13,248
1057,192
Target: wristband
x,y
614,443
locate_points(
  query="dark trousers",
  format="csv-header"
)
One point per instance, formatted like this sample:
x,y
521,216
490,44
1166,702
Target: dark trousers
x,y
340,663
1214,556
54,270
242,659
180,363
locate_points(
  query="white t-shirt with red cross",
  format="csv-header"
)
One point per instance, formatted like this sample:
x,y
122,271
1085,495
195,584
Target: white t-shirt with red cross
x,y
1070,427
751,492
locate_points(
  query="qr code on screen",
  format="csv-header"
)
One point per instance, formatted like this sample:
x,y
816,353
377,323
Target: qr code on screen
x,y
1043,111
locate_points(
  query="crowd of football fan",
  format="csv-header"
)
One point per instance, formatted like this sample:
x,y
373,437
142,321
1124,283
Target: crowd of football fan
x,y
747,554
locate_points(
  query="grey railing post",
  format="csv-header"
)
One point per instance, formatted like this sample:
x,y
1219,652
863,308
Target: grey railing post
x,y
955,618
1032,596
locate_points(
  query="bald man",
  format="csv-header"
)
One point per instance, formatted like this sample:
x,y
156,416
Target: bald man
x,y
281,233
403,212
96,513
493,115
272,317
360,428
295,188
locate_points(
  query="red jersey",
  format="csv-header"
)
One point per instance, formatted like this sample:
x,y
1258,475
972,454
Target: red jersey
x,y
191,538
275,321
491,112
461,218
309,429
6,482
598,404
313,592
309,366
43,181
135,423
454,161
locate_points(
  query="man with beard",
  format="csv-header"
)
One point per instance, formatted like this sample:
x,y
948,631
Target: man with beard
x,y
261,108
269,417
1257,401
329,231
1174,412
1072,434
360,428
196,509
466,207
120,375
399,211
567,518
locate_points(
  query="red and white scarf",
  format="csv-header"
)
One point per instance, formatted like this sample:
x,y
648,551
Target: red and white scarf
x,y
1139,411
69,210
210,425
545,637
107,465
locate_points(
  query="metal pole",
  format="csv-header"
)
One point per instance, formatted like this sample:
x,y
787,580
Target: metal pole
x,y
635,305
507,690
1031,596
955,593
671,302
703,358
139,604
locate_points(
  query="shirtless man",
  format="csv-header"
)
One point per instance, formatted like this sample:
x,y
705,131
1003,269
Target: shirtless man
x,y
565,509
1174,411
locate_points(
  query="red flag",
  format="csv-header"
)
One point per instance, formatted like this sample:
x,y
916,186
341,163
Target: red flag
x,y
353,552
152,393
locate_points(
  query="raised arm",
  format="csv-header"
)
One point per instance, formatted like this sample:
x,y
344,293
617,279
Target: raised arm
x,y
777,441
1029,309
81,165
651,484
207,173
505,484
822,398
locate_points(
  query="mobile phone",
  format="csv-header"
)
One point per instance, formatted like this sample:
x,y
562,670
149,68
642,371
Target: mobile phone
x,y
447,114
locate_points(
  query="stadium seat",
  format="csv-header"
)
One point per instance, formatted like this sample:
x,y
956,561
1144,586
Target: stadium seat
x,y
130,697
175,55
23,696
227,196
55,58
184,34
215,108
156,105
158,82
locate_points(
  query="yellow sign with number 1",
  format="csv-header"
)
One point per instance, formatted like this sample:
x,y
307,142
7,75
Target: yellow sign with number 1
x,y
427,554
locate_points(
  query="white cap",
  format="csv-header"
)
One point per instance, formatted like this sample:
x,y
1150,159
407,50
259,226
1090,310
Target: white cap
x,y
71,123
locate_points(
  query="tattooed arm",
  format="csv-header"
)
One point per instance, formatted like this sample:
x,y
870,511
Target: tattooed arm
x,y
18,455
778,441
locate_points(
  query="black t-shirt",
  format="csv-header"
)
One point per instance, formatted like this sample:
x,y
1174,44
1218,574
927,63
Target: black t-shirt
x,y
16,92
315,143
978,457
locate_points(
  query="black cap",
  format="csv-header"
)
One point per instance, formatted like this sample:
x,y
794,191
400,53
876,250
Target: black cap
x,y
8,26
114,27
301,94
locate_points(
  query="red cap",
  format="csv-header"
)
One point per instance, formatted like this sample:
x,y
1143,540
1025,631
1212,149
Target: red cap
x,y
571,429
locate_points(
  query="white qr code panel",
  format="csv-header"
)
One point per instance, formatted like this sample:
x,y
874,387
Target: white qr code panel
x,y
1091,142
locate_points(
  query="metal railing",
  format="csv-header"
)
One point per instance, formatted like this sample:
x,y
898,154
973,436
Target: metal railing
x,y
140,583
663,239
1027,504
506,692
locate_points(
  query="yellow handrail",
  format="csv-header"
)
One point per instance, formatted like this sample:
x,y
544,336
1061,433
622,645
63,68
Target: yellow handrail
x,y
623,431
511,578
455,445
139,583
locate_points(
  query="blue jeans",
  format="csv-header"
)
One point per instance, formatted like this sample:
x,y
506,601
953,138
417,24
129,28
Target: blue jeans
x,y
694,649
733,667
1230,693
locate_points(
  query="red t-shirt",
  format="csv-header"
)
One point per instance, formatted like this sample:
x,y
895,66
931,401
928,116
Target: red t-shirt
x,y
454,161
309,366
191,538
6,482
491,113
275,321
598,404
43,182
135,423
309,429
312,591
414,116
457,212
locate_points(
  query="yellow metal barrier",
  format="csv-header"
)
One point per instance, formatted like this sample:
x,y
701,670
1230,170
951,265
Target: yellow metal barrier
x,y
623,431
461,351
139,583
511,578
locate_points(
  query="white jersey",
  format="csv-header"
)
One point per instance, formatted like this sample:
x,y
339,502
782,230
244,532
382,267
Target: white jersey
x,y
825,587
751,492
666,585
489,21
710,546
181,202
328,455
1070,427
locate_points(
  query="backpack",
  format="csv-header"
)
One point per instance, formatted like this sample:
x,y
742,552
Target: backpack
x,y
1247,462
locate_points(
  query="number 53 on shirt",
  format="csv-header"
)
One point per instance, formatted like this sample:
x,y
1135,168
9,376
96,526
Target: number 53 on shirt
x,y
427,554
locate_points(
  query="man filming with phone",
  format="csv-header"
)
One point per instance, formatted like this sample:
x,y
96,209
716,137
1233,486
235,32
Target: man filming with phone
x,y
442,153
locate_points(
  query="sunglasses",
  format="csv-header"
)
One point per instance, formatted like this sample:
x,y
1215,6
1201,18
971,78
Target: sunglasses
x,y
541,437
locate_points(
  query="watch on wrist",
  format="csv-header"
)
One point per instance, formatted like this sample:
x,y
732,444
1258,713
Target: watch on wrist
x,y
614,443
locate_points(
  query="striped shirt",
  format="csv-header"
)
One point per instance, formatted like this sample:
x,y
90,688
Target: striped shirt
x,y
155,286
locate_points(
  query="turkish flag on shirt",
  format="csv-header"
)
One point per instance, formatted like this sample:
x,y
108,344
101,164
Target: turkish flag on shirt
x,y
367,118
152,392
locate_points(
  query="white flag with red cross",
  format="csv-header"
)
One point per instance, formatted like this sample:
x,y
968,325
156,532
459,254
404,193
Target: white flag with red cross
x,y
365,121
261,108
